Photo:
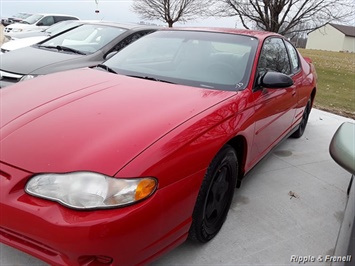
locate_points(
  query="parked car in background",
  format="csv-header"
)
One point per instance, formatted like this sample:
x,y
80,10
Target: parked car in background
x,y
35,22
20,43
15,18
342,150
38,36
50,31
119,163
88,44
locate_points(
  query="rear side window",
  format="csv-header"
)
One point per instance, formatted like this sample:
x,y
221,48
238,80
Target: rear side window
x,y
62,18
46,21
295,62
274,57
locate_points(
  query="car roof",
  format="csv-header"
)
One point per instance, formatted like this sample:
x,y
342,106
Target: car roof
x,y
254,33
127,26
54,14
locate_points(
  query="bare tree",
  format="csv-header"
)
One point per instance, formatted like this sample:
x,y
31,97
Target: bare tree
x,y
287,16
171,11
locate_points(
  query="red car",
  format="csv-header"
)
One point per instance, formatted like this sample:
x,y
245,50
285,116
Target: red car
x,y
118,164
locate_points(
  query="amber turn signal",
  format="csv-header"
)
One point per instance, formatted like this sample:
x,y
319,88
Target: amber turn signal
x,y
145,188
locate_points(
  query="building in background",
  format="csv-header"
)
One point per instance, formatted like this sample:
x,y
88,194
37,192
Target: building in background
x,y
332,37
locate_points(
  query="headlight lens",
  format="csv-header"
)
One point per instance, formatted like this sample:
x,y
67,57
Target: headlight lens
x,y
16,30
88,190
27,77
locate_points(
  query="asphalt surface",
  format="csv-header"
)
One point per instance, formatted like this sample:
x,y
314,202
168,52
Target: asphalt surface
x,y
290,205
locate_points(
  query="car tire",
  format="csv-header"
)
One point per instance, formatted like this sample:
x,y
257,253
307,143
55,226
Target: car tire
x,y
215,196
302,126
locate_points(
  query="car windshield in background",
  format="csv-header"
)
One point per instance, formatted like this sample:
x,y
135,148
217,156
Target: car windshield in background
x,y
32,19
85,39
22,15
201,59
61,26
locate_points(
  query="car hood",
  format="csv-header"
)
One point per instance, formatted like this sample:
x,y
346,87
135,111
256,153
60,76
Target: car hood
x,y
20,43
23,26
28,34
91,120
38,61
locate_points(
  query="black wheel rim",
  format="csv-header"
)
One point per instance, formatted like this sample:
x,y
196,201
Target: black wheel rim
x,y
218,199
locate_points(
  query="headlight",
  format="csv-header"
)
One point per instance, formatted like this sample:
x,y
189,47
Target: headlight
x,y
27,77
16,30
88,190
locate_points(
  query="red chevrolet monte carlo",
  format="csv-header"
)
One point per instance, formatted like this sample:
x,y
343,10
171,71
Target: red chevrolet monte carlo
x,y
118,164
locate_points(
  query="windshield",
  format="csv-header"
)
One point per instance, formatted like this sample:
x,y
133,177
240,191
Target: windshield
x,y
22,15
32,19
203,59
60,27
85,38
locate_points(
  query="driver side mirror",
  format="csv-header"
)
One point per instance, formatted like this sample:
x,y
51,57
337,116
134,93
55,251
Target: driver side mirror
x,y
40,24
275,80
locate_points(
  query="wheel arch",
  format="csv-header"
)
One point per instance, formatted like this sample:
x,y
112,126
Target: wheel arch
x,y
313,95
239,144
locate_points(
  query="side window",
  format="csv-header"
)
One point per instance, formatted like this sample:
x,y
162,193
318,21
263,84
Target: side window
x,y
131,38
295,63
274,57
46,21
61,18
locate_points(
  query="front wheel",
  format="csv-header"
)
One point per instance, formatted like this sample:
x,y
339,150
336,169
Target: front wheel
x,y
215,196
302,127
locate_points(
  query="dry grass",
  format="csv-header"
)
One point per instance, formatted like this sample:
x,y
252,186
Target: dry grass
x,y
336,81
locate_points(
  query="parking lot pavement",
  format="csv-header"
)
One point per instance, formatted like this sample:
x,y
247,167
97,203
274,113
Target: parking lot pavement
x,y
290,205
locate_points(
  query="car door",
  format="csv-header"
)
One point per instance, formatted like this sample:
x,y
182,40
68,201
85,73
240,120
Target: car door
x,y
299,81
274,108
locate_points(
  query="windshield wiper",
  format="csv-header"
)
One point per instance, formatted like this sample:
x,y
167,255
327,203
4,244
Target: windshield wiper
x,y
108,69
62,48
48,47
151,78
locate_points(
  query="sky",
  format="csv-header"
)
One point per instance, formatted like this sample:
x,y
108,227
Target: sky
x,y
113,10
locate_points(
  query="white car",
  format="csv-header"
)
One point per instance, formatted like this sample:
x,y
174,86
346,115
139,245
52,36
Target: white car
x,y
36,22
20,43
37,37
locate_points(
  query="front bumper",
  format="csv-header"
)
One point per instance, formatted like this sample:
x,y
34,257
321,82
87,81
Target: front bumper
x,y
8,32
60,236
5,22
